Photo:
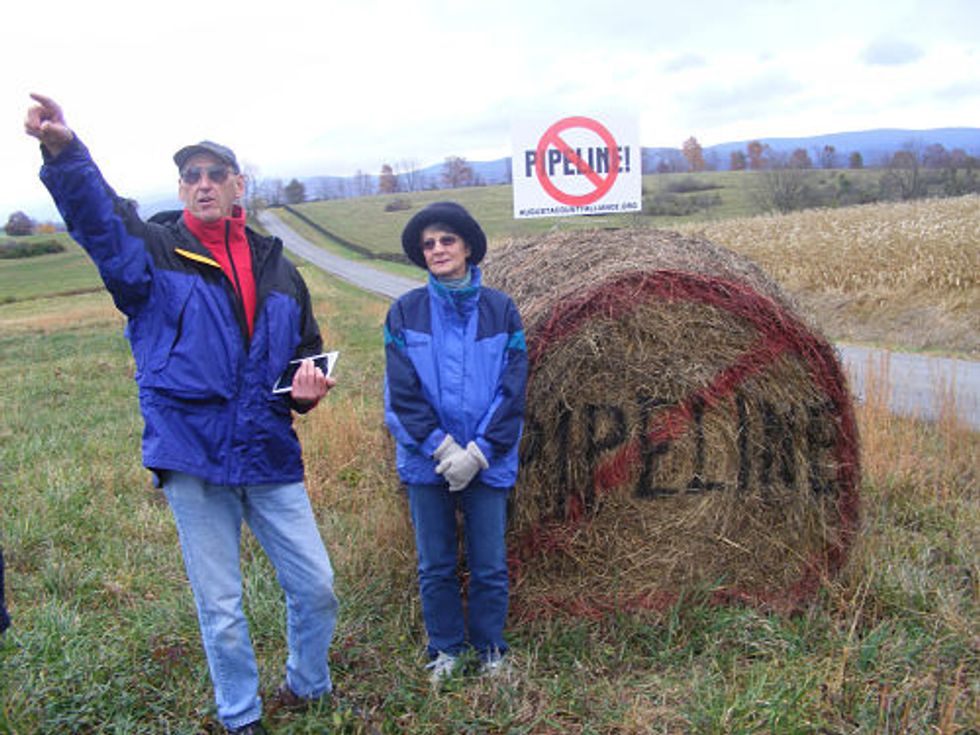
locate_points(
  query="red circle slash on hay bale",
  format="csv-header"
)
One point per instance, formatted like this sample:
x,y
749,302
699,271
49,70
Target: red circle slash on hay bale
x,y
686,431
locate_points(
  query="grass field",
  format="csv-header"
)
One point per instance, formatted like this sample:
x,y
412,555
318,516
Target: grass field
x,y
105,636
55,274
364,220
898,275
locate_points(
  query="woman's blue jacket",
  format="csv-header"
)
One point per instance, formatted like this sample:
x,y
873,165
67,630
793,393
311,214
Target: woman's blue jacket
x,y
456,363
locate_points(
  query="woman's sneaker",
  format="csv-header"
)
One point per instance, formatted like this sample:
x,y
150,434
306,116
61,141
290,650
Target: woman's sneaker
x,y
495,665
252,728
441,667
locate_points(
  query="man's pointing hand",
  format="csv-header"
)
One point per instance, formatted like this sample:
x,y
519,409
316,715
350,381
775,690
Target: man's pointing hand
x,y
46,122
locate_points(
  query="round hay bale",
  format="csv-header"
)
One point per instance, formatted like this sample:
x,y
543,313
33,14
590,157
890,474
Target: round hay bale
x,y
685,432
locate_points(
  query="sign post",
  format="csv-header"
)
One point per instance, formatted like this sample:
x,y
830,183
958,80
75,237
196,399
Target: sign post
x,y
576,165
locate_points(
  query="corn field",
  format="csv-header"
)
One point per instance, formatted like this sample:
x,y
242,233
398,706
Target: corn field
x,y
909,246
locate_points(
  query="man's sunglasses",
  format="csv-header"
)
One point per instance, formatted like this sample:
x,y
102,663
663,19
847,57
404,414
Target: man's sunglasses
x,y
215,174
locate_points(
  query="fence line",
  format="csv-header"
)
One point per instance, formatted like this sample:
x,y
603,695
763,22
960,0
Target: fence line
x,y
360,249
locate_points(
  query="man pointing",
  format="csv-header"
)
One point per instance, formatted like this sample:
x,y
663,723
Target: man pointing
x,y
214,314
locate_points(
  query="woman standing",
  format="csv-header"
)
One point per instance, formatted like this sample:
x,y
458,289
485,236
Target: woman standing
x,y
456,371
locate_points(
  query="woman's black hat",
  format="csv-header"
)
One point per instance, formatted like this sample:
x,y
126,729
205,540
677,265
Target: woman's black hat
x,y
453,216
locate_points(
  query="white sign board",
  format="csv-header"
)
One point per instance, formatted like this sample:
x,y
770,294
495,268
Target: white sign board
x,y
576,165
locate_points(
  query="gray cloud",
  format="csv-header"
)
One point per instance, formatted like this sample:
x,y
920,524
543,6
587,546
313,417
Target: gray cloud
x,y
682,62
958,91
767,90
891,52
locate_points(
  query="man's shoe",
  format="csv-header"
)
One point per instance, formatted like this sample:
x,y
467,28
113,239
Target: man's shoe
x,y
285,699
252,728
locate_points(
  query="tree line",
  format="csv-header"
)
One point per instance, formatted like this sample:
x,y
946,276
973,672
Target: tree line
x,y
784,182
402,177
915,171
759,156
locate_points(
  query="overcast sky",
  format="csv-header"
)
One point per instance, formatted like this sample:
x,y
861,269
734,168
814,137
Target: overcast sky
x,y
326,87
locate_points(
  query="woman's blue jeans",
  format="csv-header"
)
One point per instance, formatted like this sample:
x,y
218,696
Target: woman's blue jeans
x,y
484,511
209,523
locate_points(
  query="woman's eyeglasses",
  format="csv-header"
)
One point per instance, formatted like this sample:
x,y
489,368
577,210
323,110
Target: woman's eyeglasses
x,y
447,241
215,174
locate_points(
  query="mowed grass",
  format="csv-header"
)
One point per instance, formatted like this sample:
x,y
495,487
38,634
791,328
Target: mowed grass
x,y
105,636
67,272
366,222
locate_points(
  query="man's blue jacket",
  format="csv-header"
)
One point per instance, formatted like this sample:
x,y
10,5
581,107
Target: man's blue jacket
x,y
205,386
456,363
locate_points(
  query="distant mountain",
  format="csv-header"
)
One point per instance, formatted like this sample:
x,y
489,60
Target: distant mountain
x,y
430,177
873,145
148,206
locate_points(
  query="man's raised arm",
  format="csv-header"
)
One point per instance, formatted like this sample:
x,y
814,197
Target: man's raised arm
x,y
46,122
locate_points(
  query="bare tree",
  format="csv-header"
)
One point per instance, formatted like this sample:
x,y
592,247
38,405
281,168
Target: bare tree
x,y
323,188
955,184
799,158
253,200
757,154
387,181
343,189
363,185
935,156
409,174
827,156
781,187
903,177
272,191
670,161
456,172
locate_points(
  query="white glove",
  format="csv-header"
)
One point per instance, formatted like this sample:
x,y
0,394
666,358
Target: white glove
x,y
448,447
459,468
447,454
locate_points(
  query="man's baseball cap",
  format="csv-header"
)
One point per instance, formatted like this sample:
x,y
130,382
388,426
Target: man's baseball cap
x,y
222,153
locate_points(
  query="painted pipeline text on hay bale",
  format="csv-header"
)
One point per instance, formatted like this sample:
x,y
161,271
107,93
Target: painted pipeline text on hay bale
x,y
685,429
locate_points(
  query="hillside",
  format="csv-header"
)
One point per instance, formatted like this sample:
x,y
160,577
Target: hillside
x,y
896,274
873,145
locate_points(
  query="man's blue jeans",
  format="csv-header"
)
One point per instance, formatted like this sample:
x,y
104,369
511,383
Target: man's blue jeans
x,y
209,522
484,510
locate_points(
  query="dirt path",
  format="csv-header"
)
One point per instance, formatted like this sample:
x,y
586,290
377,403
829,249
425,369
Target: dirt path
x,y
918,385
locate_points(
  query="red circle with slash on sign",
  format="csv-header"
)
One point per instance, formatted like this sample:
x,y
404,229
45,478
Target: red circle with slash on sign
x,y
552,137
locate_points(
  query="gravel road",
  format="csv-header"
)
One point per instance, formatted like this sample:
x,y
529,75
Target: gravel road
x,y
356,272
918,385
